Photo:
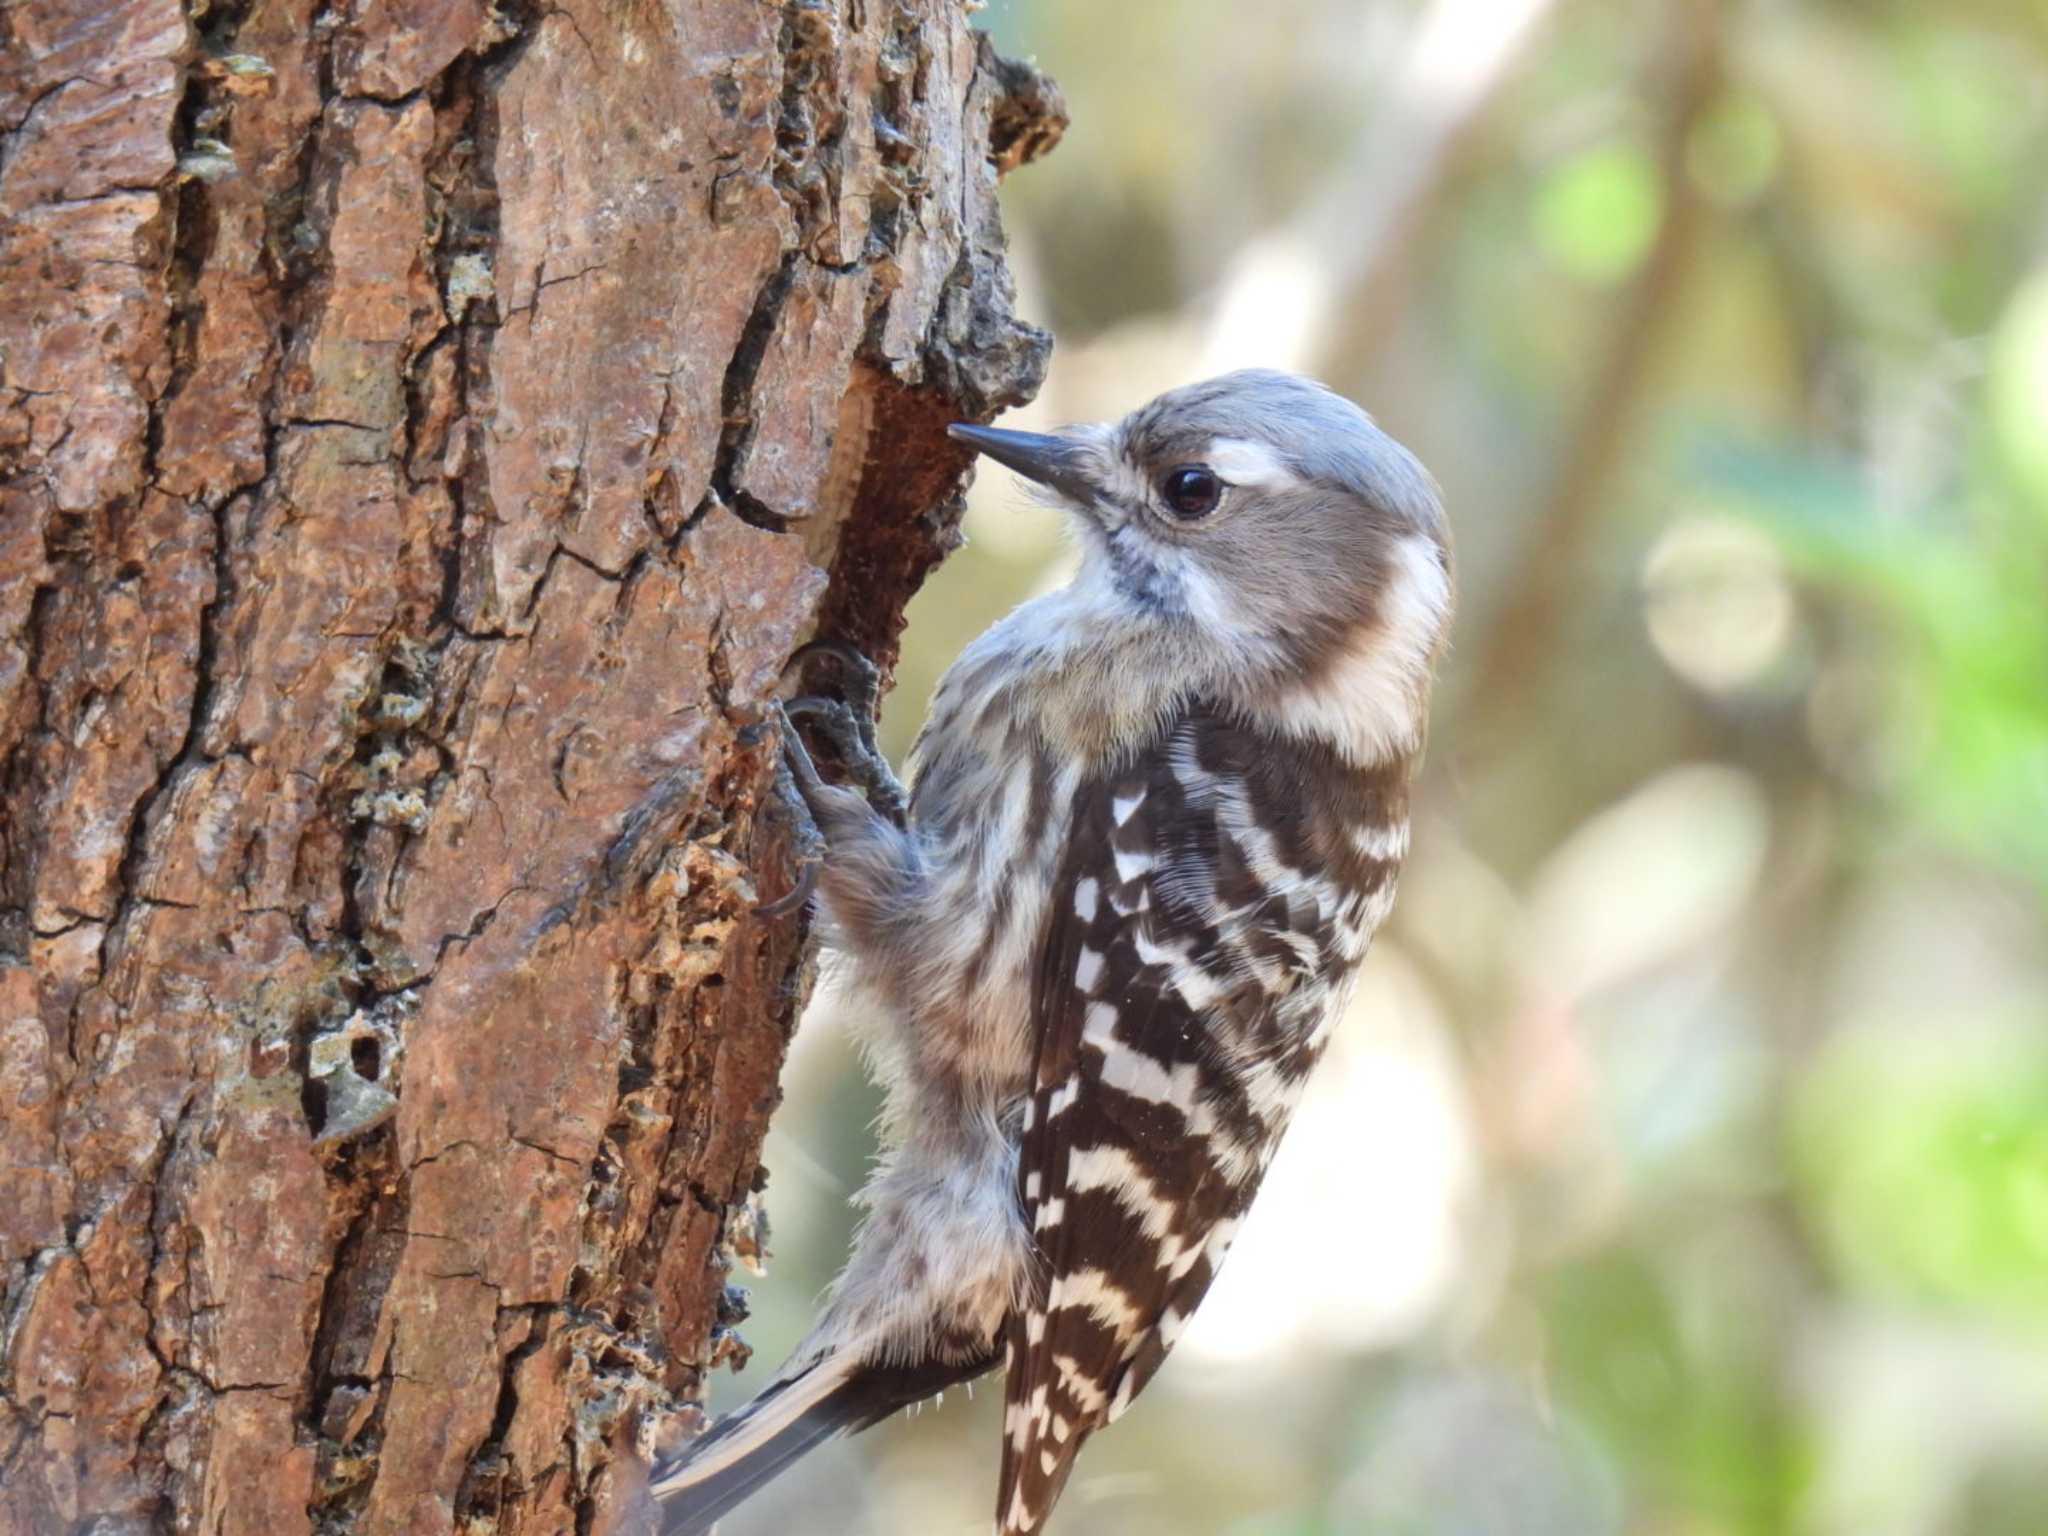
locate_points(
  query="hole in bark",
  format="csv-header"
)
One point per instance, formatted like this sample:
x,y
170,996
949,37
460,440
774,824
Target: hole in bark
x,y
68,536
313,1100
367,1058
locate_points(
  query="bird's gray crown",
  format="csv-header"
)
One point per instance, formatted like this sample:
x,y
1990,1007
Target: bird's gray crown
x,y
1317,434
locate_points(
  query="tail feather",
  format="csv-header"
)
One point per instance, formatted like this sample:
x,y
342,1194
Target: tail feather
x,y
833,1397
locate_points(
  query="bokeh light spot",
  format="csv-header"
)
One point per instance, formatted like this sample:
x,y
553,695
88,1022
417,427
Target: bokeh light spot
x,y
1597,213
2019,384
1923,1164
1716,602
1646,879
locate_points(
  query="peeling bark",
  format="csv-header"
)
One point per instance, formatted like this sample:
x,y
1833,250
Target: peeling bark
x,y
426,429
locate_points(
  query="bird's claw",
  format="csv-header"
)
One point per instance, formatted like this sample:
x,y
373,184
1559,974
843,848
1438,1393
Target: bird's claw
x,y
795,776
864,696
848,726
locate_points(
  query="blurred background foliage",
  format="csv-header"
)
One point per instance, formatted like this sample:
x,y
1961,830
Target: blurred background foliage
x,y
1684,1169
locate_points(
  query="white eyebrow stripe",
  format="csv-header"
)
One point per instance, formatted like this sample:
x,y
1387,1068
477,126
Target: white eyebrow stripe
x,y
1244,462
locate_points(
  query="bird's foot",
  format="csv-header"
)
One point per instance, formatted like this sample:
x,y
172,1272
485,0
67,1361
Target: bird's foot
x,y
847,725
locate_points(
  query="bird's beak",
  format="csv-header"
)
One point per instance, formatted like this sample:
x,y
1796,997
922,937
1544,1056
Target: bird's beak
x,y
1056,462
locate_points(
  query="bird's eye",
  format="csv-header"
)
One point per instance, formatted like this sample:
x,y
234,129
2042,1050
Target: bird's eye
x,y
1191,491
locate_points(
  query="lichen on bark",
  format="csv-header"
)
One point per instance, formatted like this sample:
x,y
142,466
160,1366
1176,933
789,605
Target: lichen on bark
x,y
426,429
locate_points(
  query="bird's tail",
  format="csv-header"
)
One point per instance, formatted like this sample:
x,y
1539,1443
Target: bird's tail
x,y
833,1396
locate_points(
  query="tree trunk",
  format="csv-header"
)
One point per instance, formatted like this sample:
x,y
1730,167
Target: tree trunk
x,y
426,428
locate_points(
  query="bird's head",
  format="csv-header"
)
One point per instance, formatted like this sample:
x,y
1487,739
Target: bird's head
x,y
1284,549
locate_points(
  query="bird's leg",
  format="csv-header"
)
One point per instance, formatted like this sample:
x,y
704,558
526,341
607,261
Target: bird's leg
x,y
796,776
848,726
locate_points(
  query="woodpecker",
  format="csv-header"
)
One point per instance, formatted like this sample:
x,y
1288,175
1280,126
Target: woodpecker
x,y
1097,948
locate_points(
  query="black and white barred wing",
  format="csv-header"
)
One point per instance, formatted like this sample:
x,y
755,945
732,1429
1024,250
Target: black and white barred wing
x,y
1210,907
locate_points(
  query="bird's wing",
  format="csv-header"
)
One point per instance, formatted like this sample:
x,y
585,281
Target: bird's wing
x,y
1210,906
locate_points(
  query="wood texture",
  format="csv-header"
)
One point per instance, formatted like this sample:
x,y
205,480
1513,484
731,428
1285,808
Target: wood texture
x,y
426,428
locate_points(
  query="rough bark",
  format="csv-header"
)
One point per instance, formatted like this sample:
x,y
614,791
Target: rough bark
x,y
426,428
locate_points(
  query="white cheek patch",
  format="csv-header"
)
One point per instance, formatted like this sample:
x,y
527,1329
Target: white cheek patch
x,y
1369,704
1418,601
1244,462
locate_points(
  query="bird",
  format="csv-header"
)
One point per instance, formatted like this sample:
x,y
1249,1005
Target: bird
x,y
1154,819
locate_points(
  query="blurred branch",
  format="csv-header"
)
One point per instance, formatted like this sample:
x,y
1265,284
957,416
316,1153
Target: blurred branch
x,y
1463,52
1526,634
1353,241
